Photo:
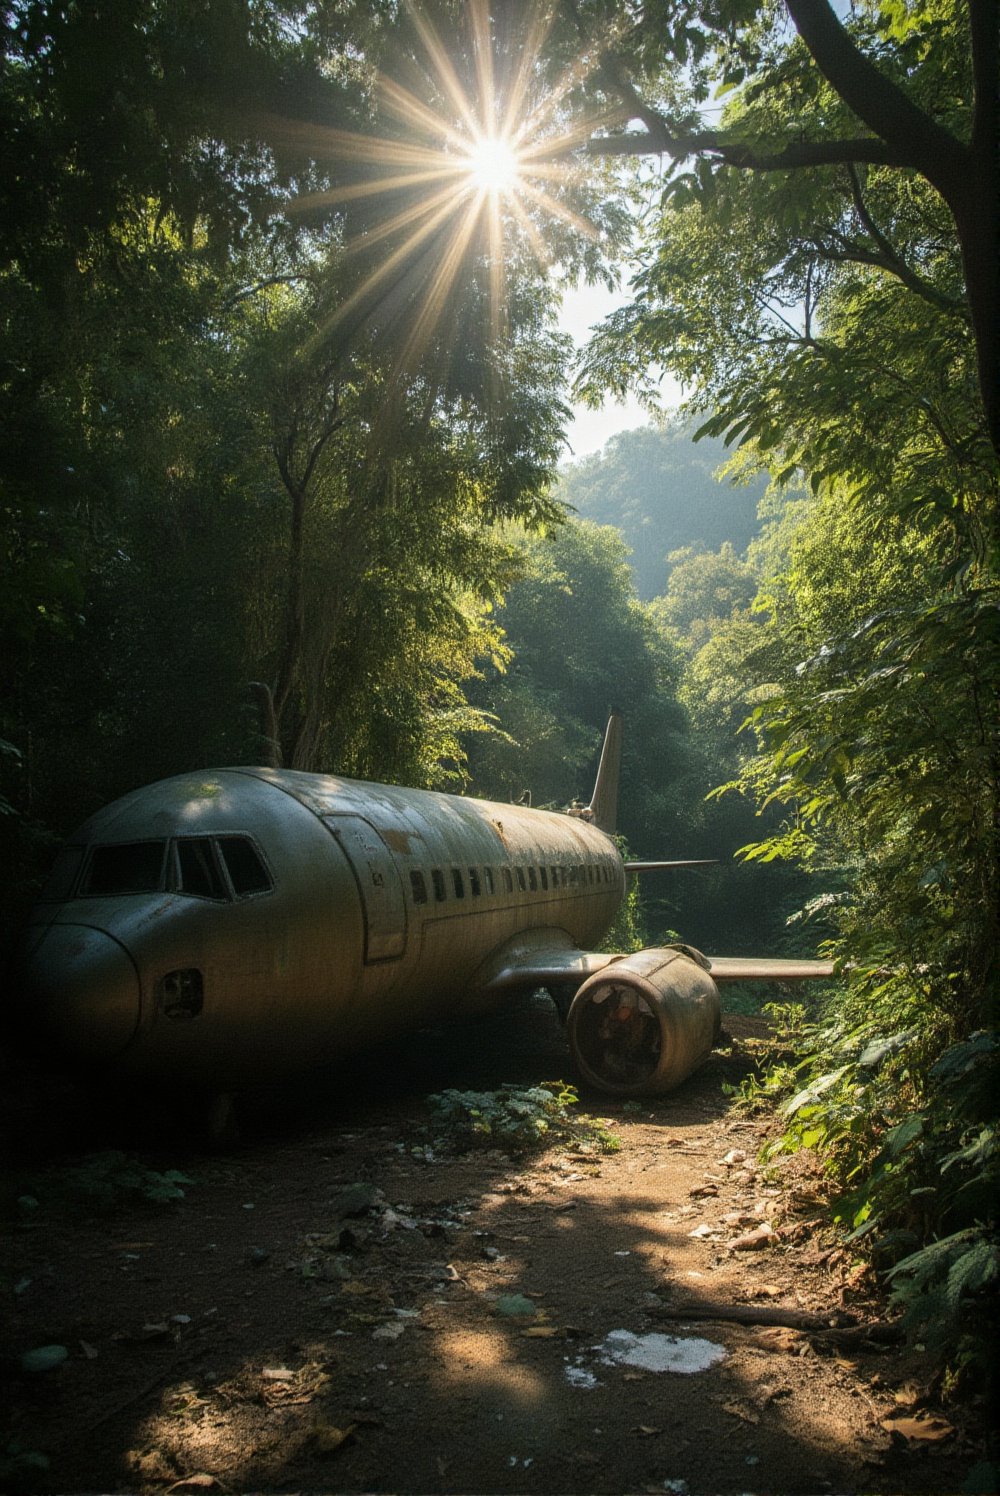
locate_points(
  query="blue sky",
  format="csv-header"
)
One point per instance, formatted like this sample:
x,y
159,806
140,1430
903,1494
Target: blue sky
x,y
590,429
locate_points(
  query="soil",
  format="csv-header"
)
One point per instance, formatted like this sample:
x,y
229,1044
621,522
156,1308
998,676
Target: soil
x,y
341,1303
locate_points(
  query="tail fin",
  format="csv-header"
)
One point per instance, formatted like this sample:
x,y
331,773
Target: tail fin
x,y
604,801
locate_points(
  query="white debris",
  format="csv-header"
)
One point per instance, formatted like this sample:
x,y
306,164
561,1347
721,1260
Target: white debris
x,y
657,1352
391,1331
579,1376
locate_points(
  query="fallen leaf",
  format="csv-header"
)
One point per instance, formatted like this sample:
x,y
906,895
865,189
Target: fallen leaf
x,y
920,1428
645,1431
740,1410
200,1482
277,1374
328,1438
540,1332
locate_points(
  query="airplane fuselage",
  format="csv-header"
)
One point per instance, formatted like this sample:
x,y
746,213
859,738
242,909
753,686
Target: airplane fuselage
x,y
246,922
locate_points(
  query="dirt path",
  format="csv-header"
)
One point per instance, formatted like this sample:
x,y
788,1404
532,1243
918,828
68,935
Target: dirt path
x,y
341,1306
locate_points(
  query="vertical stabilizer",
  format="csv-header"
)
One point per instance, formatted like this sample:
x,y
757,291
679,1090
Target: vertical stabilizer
x,y
604,801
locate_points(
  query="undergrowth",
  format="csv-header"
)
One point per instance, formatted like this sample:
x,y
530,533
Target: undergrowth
x,y
102,1181
904,1120
518,1119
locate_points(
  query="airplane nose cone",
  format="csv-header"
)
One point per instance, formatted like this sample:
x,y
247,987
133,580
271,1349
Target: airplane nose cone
x,y
80,992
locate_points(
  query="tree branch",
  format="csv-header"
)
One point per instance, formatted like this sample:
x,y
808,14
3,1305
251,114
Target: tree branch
x,y
874,98
866,149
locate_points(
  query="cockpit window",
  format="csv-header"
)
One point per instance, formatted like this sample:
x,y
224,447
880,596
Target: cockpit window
x,y
59,883
246,871
129,867
198,868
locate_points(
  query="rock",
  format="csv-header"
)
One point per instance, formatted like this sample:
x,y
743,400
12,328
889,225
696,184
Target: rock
x,y
44,1358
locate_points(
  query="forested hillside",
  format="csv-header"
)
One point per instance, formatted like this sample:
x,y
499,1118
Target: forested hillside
x,y
283,403
660,489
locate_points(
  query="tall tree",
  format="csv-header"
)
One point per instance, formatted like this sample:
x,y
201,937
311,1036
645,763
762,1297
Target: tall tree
x,y
909,90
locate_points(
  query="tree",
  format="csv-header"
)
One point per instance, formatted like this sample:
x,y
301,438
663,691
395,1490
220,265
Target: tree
x,y
704,589
920,82
661,489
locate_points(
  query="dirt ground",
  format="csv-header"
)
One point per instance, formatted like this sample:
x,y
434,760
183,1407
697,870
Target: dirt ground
x,y
341,1304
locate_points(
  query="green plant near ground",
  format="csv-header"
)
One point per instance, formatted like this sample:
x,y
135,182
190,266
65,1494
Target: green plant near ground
x,y
517,1119
905,1123
103,1181
778,1070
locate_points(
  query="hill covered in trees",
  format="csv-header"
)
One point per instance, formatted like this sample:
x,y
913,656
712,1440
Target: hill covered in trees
x,y
658,486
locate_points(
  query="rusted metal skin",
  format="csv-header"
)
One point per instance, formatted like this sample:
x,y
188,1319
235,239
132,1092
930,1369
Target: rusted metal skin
x,y
385,908
644,1023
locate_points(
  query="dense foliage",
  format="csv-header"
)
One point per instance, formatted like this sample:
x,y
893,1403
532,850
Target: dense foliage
x,y
818,281
661,490
251,491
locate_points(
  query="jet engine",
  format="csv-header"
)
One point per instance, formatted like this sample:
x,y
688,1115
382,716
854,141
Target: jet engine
x,y
645,1022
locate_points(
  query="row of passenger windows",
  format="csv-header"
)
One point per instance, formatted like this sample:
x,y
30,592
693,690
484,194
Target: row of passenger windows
x,y
452,883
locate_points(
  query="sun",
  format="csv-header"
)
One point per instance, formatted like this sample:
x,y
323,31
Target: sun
x,y
494,165
468,155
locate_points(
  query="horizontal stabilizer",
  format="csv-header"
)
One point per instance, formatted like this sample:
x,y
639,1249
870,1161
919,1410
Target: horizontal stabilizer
x,y
652,867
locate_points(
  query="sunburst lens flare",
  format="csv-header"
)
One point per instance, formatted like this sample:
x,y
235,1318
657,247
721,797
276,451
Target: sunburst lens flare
x,y
494,165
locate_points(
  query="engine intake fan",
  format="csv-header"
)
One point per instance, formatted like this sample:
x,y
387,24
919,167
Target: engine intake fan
x,y
640,1026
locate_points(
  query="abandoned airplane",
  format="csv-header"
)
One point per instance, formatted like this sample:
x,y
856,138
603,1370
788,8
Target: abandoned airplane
x,y
229,927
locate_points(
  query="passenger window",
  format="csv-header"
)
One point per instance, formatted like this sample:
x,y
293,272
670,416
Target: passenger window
x,y
418,886
532,880
246,871
520,878
544,877
198,870
488,875
456,878
132,867
437,878
508,881
474,883
555,877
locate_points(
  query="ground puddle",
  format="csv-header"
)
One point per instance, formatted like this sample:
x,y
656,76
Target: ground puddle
x,y
659,1352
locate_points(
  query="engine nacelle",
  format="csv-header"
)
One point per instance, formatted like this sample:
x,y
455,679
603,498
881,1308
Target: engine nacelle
x,y
644,1023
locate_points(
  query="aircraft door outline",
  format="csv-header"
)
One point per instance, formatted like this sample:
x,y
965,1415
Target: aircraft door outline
x,y
381,888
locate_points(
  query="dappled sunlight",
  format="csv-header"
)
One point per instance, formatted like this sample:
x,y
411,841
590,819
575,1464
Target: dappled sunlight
x,y
485,1359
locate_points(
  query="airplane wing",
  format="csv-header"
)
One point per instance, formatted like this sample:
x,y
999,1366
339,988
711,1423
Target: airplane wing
x,y
526,963
767,969
543,964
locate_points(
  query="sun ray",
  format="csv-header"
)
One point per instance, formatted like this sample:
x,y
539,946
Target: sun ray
x,y
398,259
443,66
482,45
455,177
441,283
